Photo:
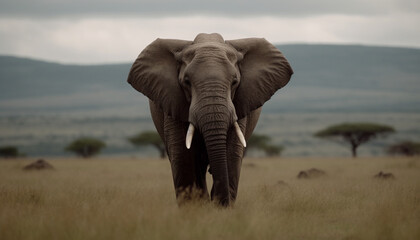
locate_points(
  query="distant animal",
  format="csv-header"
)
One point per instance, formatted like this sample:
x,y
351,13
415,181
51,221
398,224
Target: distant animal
x,y
205,101
40,164
382,175
311,173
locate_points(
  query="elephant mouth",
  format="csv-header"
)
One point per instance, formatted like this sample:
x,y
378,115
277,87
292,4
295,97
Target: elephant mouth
x,y
191,129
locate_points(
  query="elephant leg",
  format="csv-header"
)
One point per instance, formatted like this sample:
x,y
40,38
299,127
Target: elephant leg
x,y
235,152
188,182
181,160
201,165
188,167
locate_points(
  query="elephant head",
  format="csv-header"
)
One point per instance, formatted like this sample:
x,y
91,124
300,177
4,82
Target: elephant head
x,y
210,83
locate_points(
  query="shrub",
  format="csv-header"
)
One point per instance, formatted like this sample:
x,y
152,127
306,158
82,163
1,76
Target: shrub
x,y
9,151
406,148
149,138
262,142
85,147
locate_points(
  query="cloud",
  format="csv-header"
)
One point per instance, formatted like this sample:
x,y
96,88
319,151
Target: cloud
x,y
299,8
101,40
113,31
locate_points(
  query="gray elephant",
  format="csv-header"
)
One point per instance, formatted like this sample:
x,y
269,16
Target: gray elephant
x,y
205,101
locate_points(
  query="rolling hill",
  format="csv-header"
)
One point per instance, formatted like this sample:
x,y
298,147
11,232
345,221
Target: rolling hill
x,y
327,78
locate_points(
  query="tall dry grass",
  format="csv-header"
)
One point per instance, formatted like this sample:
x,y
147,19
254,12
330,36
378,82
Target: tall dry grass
x,y
134,199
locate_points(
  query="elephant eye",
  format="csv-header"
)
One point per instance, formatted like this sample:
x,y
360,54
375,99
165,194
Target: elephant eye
x,y
235,81
187,81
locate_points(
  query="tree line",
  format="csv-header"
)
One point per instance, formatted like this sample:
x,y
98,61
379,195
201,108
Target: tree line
x,y
352,134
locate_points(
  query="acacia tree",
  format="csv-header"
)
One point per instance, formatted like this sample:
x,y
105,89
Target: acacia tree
x,y
149,138
355,134
406,148
86,146
9,151
262,142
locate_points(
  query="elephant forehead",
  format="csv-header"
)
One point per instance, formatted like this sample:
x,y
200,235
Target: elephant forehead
x,y
209,49
213,37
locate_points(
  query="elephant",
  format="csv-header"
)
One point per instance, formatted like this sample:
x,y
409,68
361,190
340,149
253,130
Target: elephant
x,y
205,98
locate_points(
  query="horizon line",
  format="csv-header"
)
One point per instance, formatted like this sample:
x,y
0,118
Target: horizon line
x,y
120,62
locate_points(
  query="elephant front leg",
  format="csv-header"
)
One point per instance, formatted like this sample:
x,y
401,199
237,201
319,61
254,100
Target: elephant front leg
x,y
185,171
235,154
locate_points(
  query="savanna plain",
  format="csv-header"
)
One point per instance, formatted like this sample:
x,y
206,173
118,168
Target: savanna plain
x,y
127,198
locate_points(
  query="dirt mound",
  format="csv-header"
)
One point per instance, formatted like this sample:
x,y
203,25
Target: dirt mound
x,y
382,175
40,164
311,173
282,183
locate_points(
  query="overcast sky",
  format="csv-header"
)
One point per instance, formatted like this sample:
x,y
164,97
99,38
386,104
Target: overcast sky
x,y
104,31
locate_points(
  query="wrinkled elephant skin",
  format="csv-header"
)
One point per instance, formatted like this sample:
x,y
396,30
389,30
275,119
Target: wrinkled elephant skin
x,y
205,100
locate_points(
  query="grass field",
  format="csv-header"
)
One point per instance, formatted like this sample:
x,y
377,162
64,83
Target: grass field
x,y
125,198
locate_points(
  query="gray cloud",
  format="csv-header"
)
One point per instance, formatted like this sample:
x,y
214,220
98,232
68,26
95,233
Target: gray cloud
x,y
93,31
108,39
299,8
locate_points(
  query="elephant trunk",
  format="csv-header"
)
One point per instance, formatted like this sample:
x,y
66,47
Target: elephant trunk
x,y
215,138
212,113
216,149
213,120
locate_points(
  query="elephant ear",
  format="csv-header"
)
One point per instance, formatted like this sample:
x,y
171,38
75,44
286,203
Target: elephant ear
x,y
263,69
155,74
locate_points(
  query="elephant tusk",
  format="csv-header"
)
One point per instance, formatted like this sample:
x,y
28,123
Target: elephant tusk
x,y
190,134
239,133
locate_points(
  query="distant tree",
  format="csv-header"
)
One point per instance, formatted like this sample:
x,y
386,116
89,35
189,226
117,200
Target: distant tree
x,y
149,138
272,150
9,151
258,141
86,147
262,142
406,148
355,133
